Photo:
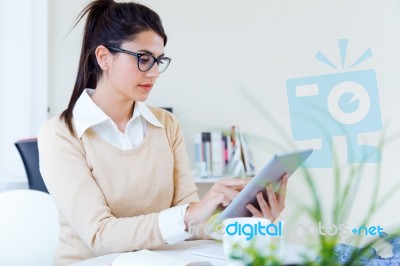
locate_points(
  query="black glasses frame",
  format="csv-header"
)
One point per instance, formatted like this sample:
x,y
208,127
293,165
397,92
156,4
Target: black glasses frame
x,y
138,55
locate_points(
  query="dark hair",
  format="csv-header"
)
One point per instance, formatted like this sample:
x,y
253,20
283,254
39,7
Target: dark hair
x,y
110,24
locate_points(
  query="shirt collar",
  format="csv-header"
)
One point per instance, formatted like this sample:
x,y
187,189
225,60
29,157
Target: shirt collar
x,y
87,114
142,109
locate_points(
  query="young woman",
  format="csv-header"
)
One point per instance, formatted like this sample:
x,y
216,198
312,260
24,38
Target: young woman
x,y
118,169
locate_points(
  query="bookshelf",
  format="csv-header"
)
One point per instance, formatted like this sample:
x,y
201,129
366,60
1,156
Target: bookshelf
x,y
221,154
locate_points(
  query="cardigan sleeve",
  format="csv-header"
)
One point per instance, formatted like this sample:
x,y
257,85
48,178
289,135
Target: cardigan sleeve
x,y
82,204
185,191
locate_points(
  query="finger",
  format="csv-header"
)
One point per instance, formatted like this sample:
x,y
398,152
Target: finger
x,y
282,191
253,210
239,188
225,201
234,182
263,205
226,192
272,200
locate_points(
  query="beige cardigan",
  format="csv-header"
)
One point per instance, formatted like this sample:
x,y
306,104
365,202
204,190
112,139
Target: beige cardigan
x,y
109,199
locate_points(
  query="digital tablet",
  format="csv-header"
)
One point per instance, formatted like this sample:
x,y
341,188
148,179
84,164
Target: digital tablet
x,y
272,173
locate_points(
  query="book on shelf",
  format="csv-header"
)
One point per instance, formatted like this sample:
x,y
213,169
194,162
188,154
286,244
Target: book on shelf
x,y
220,153
247,156
206,148
217,154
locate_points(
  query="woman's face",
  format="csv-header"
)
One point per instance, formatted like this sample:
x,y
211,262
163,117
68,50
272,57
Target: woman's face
x,y
124,76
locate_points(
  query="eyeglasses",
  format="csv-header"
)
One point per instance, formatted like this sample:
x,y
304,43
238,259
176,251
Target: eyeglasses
x,y
145,61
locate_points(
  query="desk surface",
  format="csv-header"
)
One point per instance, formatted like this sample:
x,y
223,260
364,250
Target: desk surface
x,y
185,249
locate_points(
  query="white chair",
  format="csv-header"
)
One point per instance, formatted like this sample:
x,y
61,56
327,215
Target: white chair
x,y
28,228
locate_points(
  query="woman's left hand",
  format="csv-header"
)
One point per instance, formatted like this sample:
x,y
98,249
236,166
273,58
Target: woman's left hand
x,y
274,205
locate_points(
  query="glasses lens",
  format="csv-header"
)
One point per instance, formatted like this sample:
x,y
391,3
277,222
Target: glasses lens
x,y
145,62
163,63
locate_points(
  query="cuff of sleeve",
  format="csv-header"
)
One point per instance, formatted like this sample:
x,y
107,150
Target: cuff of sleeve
x,y
172,224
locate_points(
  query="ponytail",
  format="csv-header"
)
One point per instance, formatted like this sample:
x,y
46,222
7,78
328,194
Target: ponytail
x,y
110,24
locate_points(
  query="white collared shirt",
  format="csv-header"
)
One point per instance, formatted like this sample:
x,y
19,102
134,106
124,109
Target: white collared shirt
x,y
88,115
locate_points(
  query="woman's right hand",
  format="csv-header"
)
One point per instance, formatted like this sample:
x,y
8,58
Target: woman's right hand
x,y
221,193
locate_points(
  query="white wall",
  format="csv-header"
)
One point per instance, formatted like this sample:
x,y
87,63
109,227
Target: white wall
x,y
64,49
23,78
227,52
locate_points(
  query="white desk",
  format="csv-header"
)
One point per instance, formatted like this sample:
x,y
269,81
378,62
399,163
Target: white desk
x,y
185,249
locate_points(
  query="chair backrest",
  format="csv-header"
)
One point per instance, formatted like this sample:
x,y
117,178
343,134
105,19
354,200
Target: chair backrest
x,y
169,109
28,149
28,228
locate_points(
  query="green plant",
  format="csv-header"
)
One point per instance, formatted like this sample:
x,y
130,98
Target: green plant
x,y
250,256
346,184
